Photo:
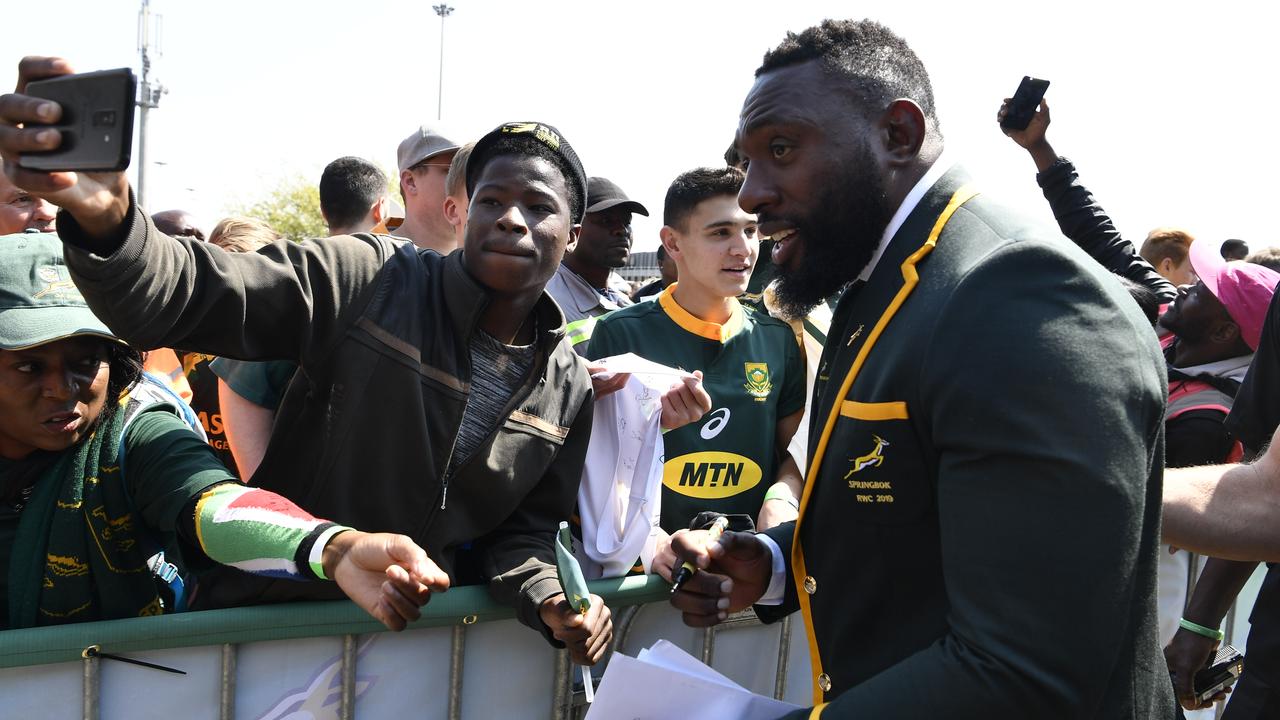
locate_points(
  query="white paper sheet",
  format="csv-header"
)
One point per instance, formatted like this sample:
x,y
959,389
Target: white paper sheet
x,y
620,494
665,654
636,365
665,682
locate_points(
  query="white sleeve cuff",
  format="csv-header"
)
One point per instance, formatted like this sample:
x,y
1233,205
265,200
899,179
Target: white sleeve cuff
x,y
777,590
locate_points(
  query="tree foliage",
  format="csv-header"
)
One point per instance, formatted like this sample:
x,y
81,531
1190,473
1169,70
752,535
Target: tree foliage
x,y
291,209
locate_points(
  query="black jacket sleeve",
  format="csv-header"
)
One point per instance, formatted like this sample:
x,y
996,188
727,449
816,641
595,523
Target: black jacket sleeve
x,y
1087,225
288,301
519,557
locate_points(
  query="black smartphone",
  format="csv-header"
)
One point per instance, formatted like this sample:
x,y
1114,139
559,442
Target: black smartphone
x,y
1024,103
96,124
1219,674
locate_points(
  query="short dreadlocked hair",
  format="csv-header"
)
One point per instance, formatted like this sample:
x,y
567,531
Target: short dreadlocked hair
x,y
879,66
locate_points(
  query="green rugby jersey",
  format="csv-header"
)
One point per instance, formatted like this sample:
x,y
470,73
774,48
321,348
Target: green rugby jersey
x,y
751,369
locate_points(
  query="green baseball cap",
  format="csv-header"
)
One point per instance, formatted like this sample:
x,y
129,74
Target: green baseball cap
x,y
38,301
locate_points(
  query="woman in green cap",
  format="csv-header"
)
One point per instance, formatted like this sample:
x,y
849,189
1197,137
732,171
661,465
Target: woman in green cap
x,y
99,473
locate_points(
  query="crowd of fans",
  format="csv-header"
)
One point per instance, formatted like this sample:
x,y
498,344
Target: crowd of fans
x,y
434,378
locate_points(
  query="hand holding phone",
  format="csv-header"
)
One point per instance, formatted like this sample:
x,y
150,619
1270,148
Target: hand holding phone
x,y
96,124
1022,107
1221,673
98,201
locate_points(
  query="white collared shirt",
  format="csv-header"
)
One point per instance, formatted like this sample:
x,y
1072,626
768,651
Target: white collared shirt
x,y
935,172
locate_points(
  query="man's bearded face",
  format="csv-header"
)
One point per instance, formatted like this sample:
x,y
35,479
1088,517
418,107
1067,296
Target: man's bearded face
x,y
840,232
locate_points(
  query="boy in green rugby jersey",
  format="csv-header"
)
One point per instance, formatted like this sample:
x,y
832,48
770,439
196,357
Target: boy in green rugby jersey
x,y
734,461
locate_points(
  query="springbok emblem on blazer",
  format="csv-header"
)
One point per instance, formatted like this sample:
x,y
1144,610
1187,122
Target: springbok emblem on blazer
x,y
871,459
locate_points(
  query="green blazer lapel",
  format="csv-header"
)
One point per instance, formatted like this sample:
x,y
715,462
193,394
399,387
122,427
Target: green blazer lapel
x,y
869,310
886,280
860,310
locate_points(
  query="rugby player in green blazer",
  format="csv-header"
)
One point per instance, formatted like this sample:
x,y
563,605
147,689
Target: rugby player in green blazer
x,y
978,532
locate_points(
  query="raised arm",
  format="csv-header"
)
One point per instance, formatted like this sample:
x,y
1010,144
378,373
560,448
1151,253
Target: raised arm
x,y
290,302
1079,215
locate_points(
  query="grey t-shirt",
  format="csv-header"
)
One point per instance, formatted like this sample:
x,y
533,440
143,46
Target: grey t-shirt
x,y
496,372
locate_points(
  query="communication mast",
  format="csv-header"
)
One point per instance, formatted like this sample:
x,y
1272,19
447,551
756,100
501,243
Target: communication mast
x,y
148,93
444,11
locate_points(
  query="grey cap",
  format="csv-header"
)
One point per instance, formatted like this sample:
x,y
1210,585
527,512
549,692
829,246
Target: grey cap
x,y
424,143
38,302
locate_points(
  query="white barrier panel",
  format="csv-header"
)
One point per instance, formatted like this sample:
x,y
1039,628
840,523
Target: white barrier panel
x,y
331,662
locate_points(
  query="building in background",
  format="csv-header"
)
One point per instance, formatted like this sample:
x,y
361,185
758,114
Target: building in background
x,y
640,267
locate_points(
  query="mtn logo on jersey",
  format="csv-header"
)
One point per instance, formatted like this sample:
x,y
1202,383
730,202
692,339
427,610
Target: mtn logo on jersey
x,y
711,475
758,383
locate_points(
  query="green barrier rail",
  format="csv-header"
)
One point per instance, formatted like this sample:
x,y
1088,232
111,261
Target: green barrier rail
x,y
463,605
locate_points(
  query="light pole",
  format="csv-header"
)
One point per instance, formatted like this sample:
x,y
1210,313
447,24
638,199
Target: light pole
x,y
443,11
148,94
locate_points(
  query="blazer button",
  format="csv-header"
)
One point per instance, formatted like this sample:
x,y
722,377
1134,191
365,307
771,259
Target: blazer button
x,y
824,682
810,584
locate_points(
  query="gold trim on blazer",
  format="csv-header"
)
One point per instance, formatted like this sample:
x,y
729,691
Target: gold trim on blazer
x,y
874,411
911,278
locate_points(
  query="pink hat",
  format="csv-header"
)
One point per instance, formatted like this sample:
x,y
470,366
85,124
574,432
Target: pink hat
x,y
1243,288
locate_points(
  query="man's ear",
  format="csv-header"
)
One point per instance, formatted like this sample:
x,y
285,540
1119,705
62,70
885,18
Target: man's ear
x,y
1225,332
451,212
1165,267
670,240
408,186
902,130
378,212
574,231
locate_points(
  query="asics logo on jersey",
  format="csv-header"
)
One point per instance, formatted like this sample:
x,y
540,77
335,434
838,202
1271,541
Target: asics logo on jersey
x,y
719,419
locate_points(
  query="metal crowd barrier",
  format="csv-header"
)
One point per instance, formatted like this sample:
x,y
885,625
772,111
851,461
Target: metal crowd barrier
x,y
45,663
465,658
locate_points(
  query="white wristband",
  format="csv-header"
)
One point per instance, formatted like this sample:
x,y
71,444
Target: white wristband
x,y
316,559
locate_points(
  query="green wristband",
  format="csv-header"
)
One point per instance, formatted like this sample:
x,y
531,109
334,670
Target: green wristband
x,y
1210,633
779,494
